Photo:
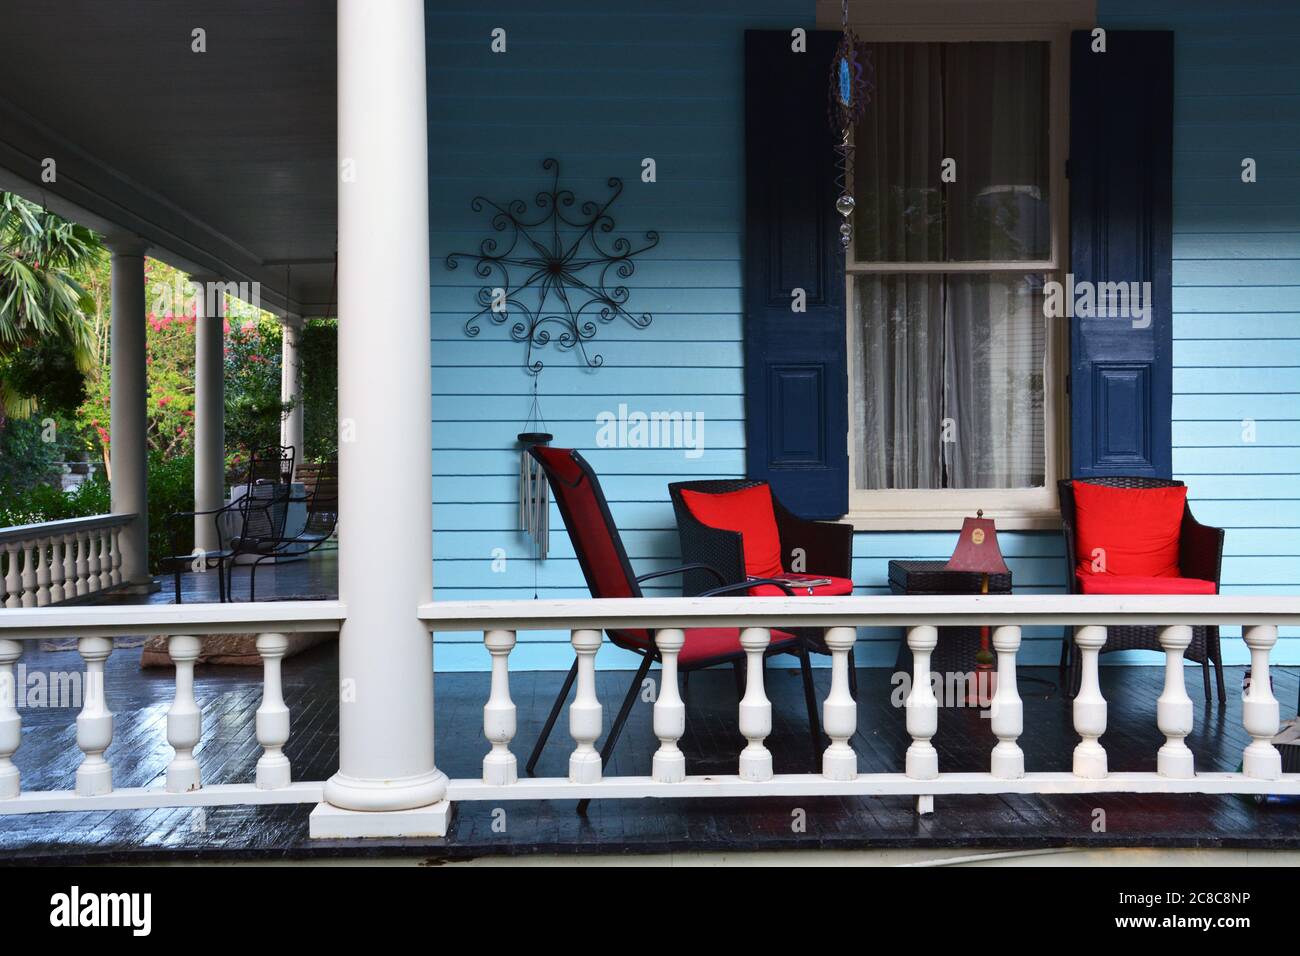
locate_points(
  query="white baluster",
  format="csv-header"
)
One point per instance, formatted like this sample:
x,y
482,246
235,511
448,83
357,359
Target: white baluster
x,y
840,711
669,764
755,708
83,565
1090,706
272,715
1259,708
922,706
105,560
1174,707
29,574
69,567
42,574
10,723
115,555
585,716
95,722
499,713
92,563
184,719
1008,713
57,571
13,585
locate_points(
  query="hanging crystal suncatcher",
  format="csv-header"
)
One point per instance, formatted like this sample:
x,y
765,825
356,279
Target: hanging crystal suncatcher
x,y
849,94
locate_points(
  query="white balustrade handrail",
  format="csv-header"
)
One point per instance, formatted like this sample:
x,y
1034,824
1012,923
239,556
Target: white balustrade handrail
x,y
54,562
183,625
875,611
49,529
920,617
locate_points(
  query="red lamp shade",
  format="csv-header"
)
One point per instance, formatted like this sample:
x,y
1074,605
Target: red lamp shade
x,y
977,548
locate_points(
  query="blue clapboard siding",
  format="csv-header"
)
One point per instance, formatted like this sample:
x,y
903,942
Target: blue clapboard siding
x,y
1236,279
601,86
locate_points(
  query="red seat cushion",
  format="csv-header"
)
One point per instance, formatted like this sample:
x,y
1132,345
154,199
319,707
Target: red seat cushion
x,y
1119,584
1129,532
838,586
748,511
712,643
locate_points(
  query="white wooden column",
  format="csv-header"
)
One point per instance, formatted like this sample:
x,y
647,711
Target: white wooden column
x,y
1090,706
384,382
209,409
840,712
11,735
184,718
291,431
669,763
127,393
95,722
1007,761
755,708
499,714
585,713
1174,707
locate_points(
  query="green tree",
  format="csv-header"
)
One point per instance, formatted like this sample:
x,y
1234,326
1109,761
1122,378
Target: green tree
x,y
45,336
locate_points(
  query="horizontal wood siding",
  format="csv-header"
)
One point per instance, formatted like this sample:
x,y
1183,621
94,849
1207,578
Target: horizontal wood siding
x,y
1236,280
601,88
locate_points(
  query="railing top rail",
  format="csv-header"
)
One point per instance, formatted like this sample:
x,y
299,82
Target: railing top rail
x,y
50,529
199,619
867,611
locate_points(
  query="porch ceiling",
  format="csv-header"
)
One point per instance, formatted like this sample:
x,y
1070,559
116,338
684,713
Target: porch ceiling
x,y
224,160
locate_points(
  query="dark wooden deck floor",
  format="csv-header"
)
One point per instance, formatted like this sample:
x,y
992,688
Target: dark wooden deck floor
x,y
229,696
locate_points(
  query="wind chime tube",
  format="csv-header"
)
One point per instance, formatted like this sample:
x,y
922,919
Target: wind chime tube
x,y
534,495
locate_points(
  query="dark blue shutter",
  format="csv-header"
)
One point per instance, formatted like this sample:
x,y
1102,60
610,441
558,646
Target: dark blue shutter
x,y
1121,230
796,380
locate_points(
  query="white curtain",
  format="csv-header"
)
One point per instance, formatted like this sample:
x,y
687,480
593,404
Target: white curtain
x,y
948,389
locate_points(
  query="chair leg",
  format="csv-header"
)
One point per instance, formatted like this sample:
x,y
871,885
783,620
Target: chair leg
x,y
810,698
1218,665
550,720
628,699
738,672
1205,676
221,580
853,676
177,576
1065,650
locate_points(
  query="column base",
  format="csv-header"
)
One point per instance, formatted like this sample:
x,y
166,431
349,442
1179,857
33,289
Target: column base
x,y
332,823
402,793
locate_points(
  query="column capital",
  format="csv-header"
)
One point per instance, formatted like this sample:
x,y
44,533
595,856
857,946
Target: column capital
x,y
125,244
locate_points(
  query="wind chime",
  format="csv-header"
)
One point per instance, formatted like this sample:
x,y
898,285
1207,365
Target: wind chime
x,y
850,92
534,492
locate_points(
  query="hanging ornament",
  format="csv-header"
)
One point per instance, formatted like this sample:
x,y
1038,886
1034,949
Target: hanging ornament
x,y
849,94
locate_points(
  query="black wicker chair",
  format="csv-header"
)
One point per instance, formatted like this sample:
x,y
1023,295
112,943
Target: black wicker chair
x,y
1200,555
318,530
826,547
609,574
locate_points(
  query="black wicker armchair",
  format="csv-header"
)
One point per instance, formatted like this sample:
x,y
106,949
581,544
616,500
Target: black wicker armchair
x,y
1200,555
825,547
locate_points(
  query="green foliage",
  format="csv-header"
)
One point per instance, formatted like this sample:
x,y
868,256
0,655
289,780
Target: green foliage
x,y
41,503
42,305
253,406
318,352
30,452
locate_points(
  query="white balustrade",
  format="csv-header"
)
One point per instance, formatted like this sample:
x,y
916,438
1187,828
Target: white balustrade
x,y
669,763
755,708
272,715
1008,713
57,561
922,706
499,716
184,718
10,723
1259,708
1090,706
1174,707
840,712
95,722
585,714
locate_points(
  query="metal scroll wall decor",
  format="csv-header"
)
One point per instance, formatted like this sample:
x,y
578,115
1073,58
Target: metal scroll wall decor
x,y
849,94
553,274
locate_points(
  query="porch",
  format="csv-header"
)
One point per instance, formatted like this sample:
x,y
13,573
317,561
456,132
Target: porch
x,y
962,826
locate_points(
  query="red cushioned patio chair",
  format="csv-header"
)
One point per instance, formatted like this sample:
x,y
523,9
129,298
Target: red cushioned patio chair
x,y
739,527
1199,561
605,565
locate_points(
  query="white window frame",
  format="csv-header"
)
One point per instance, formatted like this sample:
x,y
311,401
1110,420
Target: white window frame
x,y
1013,508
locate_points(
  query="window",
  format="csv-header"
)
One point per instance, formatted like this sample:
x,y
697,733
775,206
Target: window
x,y
954,370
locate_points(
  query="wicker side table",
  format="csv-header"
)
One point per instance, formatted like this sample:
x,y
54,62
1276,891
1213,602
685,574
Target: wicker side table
x,y
957,645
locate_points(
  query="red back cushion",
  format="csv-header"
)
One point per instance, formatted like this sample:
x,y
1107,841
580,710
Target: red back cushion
x,y
748,511
1136,530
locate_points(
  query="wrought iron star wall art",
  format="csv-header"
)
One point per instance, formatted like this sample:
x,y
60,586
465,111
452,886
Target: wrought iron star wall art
x,y
556,279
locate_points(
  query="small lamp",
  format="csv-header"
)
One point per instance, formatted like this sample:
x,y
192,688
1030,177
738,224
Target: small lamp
x,y
977,552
